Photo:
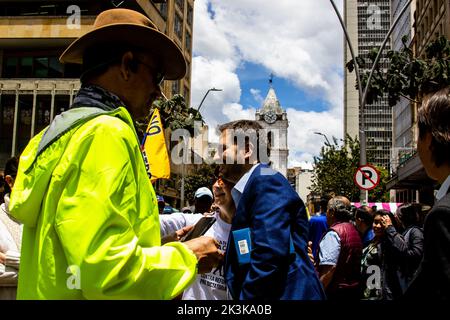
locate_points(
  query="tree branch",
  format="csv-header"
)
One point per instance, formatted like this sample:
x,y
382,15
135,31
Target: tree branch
x,y
408,98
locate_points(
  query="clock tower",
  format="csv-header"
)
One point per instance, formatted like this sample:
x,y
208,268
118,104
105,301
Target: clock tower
x,y
274,120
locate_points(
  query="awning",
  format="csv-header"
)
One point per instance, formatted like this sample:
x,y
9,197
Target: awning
x,y
410,175
390,206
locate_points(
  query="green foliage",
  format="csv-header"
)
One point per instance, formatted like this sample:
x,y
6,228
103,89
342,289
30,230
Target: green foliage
x,y
406,76
335,168
175,114
203,177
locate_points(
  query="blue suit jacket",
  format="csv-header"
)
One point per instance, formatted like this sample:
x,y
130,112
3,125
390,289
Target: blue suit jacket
x,y
273,212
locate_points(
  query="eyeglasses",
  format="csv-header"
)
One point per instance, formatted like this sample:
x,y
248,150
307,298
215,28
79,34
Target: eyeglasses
x,y
158,76
220,179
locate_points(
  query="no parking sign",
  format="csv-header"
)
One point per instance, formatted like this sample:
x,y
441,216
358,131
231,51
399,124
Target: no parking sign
x,y
367,177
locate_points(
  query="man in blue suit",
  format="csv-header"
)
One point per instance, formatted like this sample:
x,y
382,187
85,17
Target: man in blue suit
x,y
267,250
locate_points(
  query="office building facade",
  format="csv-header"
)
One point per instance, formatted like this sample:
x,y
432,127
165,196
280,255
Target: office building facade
x,y
34,86
367,23
430,20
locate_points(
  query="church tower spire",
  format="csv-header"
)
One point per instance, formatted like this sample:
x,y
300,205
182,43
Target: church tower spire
x,y
273,118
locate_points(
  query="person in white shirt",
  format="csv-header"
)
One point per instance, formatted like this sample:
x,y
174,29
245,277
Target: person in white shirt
x,y
208,286
10,238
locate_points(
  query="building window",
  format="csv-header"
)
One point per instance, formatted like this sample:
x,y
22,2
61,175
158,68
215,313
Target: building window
x,y
188,70
178,26
180,4
190,15
186,95
175,87
188,41
26,67
10,68
36,67
162,7
41,67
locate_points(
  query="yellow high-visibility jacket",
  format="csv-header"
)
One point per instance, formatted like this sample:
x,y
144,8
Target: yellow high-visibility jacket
x,y
91,224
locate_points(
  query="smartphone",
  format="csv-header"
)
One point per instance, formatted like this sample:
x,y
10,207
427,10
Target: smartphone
x,y
200,228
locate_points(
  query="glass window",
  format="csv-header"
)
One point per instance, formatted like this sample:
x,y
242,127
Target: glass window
x,y
190,14
55,68
24,123
175,87
163,10
61,103
188,41
10,69
180,4
26,67
178,26
41,67
43,104
7,104
38,67
186,95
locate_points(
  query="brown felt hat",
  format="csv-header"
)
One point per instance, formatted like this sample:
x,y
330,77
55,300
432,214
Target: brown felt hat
x,y
129,27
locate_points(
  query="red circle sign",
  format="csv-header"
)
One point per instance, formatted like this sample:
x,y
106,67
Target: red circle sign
x,y
367,177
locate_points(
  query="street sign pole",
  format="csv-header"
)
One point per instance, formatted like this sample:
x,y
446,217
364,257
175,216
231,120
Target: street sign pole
x,y
366,178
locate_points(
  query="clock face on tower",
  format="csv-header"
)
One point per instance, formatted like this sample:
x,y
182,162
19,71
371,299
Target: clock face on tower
x,y
270,117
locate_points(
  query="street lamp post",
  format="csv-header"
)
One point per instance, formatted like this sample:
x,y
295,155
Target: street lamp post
x,y
204,97
321,134
183,173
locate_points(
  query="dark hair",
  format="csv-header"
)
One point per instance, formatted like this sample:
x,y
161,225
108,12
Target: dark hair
x,y
11,168
384,212
409,214
342,210
250,129
323,203
433,117
365,214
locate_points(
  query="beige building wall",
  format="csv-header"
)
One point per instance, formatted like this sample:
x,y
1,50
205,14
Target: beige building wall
x,y
165,16
51,34
351,98
42,28
302,184
432,19
52,31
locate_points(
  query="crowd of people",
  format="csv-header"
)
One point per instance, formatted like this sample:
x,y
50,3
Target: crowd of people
x,y
368,254
82,220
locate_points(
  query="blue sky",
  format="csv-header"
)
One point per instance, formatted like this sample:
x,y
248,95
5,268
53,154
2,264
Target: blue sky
x,y
254,76
239,43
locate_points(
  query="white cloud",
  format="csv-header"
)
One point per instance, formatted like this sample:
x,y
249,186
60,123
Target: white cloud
x,y
235,111
304,144
300,41
257,95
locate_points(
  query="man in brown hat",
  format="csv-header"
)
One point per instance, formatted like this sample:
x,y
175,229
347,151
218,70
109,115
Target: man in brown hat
x,y
90,215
